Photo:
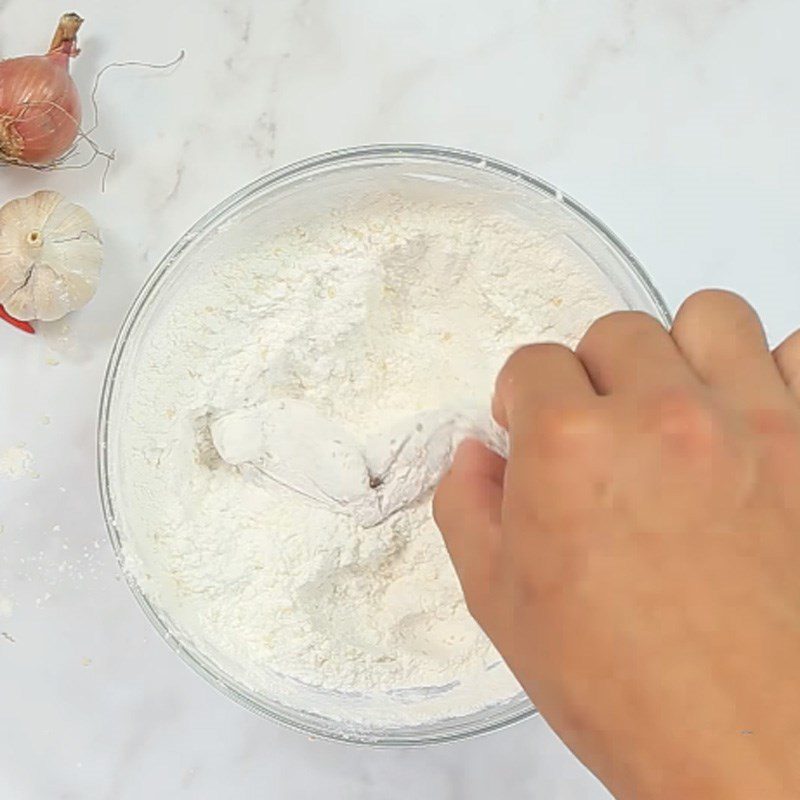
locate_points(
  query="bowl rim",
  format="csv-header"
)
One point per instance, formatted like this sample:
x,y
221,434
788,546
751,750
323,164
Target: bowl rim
x,y
361,155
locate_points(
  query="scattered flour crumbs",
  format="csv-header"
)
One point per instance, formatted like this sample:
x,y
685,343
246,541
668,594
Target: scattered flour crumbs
x,y
370,315
17,462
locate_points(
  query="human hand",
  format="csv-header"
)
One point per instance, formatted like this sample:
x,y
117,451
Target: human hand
x,y
636,560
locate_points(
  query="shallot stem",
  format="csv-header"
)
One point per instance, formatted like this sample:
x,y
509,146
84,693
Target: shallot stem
x,y
64,39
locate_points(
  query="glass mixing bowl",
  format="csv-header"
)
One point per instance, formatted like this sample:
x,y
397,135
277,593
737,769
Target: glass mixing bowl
x,y
230,228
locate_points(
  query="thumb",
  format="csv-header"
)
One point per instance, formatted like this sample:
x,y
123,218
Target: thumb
x,y
466,507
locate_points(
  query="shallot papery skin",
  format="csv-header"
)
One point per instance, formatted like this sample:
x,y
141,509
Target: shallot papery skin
x,y
40,109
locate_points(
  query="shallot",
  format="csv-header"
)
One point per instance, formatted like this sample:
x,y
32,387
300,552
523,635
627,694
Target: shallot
x,y
40,108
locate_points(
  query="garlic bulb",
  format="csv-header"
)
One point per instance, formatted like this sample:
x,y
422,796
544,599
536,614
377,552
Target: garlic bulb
x,y
50,256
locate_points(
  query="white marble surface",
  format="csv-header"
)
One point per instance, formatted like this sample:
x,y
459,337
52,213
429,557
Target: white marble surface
x,y
676,121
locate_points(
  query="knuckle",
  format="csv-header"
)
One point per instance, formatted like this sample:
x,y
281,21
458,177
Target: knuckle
x,y
682,419
531,359
616,324
779,426
714,297
522,357
515,361
715,303
538,349
563,430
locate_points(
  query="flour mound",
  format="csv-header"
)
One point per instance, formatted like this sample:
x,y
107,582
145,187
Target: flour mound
x,y
365,317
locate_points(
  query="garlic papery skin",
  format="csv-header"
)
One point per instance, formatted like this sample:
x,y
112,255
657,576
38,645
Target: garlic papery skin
x,y
50,256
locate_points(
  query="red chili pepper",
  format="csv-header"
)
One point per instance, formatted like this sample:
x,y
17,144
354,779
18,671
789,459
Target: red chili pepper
x,y
17,323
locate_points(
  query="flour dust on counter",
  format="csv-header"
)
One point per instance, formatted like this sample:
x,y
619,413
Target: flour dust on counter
x,y
367,316
17,462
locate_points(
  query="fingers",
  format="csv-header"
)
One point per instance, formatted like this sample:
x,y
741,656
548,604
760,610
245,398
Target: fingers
x,y
632,350
722,338
787,359
533,374
558,472
546,401
466,507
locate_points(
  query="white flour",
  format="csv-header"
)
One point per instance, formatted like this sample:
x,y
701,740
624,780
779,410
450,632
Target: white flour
x,y
366,317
